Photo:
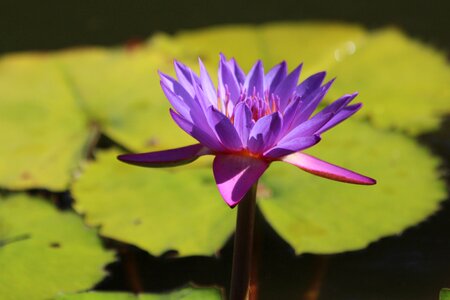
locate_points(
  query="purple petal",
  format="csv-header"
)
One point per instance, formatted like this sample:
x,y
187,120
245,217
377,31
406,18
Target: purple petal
x,y
175,87
307,128
285,90
227,81
291,146
224,129
235,175
342,115
310,84
204,137
185,76
166,158
240,75
309,104
243,122
207,84
254,82
276,75
265,133
176,101
321,168
338,104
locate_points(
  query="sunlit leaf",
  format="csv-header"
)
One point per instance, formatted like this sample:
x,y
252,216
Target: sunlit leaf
x,y
44,252
120,92
322,216
402,83
184,294
42,128
444,294
155,209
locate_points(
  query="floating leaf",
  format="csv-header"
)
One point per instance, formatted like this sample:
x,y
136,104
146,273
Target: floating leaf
x,y
155,209
322,216
51,104
184,294
402,83
41,125
444,294
120,91
44,252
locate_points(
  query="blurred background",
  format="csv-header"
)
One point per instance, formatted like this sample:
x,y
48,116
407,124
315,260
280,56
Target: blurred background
x,y
413,266
52,24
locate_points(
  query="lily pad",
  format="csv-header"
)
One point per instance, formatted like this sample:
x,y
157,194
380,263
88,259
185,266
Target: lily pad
x,y
185,294
321,216
155,209
52,105
120,92
444,294
41,125
44,252
402,83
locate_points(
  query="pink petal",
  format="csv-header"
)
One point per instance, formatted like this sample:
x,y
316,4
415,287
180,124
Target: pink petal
x,y
235,175
166,158
321,168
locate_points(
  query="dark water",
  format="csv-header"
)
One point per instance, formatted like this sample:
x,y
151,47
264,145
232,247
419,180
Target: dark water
x,y
50,24
412,266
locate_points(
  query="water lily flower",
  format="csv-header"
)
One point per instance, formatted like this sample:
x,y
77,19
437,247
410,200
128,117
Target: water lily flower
x,y
250,121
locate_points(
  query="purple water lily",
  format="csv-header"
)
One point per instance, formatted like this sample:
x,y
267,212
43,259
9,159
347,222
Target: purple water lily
x,y
250,121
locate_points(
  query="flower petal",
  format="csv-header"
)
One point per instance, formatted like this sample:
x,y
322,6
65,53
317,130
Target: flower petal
x,y
185,76
206,138
235,175
166,158
341,115
240,75
285,90
338,104
321,168
291,146
276,75
224,129
307,128
254,82
243,121
309,103
228,83
207,84
265,133
310,84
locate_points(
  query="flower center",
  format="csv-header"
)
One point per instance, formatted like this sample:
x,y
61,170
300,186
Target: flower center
x,y
261,106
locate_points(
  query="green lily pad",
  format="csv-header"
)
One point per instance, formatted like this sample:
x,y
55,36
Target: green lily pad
x,y
402,83
52,105
444,294
41,125
120,92
155,209
185,294
44,252
321,216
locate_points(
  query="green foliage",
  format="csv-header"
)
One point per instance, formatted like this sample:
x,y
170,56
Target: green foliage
x,y
155,209
322,216
44,251
402,83
54,106
444,294
42,129
184,294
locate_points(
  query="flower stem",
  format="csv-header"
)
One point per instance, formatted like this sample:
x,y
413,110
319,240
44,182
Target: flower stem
x,y
243,243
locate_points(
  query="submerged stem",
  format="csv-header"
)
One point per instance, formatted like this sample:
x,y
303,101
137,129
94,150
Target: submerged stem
x,y
243,243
